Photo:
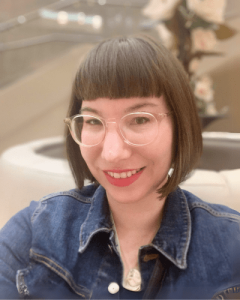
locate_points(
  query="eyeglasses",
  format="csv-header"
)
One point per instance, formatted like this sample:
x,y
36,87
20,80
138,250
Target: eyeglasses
x,y
136,129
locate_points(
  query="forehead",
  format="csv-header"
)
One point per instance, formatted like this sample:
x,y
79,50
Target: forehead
x,y
103,106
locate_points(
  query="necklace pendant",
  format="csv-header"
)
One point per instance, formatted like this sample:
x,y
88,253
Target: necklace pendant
x,y
133,280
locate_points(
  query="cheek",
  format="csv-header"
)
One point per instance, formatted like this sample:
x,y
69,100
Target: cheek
x,y
161,151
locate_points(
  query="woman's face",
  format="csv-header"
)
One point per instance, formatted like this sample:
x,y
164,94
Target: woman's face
x,y
120,159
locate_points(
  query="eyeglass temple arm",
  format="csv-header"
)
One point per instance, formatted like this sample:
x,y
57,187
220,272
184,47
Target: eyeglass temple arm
x,y
67,121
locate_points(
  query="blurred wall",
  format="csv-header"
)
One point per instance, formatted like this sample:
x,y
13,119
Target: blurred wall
x,y
35,106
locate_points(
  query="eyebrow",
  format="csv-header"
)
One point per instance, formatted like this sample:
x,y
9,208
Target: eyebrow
x,y
128,110
89,109
139,106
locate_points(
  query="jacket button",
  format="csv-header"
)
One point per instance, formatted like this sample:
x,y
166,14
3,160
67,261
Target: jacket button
x,y
113,288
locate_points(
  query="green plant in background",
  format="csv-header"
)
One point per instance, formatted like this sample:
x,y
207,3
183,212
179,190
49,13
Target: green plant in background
x,y
191,30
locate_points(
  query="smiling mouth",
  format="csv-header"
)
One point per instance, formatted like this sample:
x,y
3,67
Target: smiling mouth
x,y
124,174
122,179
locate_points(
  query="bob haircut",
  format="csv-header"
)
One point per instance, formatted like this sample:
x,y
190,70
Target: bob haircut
x,y
138,66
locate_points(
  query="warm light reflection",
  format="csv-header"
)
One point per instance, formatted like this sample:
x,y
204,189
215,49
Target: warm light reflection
x,y
62,17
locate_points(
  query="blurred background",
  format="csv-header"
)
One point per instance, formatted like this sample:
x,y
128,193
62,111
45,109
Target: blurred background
x,y
41,45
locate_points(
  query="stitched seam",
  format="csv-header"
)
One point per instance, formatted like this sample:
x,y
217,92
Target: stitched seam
x,y
213,212
44,257
167,256
37,211
189,229
83,246
71,194
65,275
60,274
185,247
82,226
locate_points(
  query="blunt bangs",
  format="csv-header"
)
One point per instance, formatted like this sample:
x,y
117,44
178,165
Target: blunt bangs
x,y
120,68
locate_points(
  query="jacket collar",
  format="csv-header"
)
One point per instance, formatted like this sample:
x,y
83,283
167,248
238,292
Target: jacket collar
x,y
172,239
98,218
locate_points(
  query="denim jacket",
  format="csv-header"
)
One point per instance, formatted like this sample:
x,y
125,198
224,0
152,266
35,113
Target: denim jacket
x,y
63,247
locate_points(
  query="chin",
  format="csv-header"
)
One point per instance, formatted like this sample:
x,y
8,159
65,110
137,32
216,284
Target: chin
x,y
124,197
134,193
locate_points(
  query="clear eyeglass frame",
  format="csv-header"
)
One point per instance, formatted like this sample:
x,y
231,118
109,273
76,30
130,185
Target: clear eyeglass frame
x,y
69,122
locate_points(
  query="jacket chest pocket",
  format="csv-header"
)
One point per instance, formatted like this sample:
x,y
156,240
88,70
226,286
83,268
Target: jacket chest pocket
x,y
41,281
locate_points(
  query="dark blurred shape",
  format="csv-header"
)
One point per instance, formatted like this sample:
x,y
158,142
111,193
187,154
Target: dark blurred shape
x,y
208,119
221,151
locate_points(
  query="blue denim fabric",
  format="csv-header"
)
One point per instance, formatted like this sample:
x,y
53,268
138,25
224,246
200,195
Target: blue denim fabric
x,y
63,247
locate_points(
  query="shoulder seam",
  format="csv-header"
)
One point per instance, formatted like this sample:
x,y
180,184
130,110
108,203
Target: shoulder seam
x,y
214,212
68,193
37,211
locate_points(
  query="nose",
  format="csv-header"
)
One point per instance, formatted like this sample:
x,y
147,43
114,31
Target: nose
x,y
114,148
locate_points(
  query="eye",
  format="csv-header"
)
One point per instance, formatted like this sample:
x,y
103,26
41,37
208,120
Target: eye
x,y
141,120
93,122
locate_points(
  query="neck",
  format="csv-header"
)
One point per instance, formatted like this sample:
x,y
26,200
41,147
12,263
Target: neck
x,y
142,216
136,225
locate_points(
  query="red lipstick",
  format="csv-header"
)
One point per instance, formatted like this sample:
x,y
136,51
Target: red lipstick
x,y
121,182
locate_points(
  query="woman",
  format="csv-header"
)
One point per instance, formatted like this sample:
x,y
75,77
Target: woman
x,y
132,233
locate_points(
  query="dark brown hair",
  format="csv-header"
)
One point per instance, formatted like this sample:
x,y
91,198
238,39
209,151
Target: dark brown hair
x,y
126,67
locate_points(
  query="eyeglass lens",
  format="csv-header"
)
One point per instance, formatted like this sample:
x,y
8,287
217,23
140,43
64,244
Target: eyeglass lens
x,y
136,128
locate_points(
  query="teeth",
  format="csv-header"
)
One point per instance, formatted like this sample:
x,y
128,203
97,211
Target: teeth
x,y
123,174
129,174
